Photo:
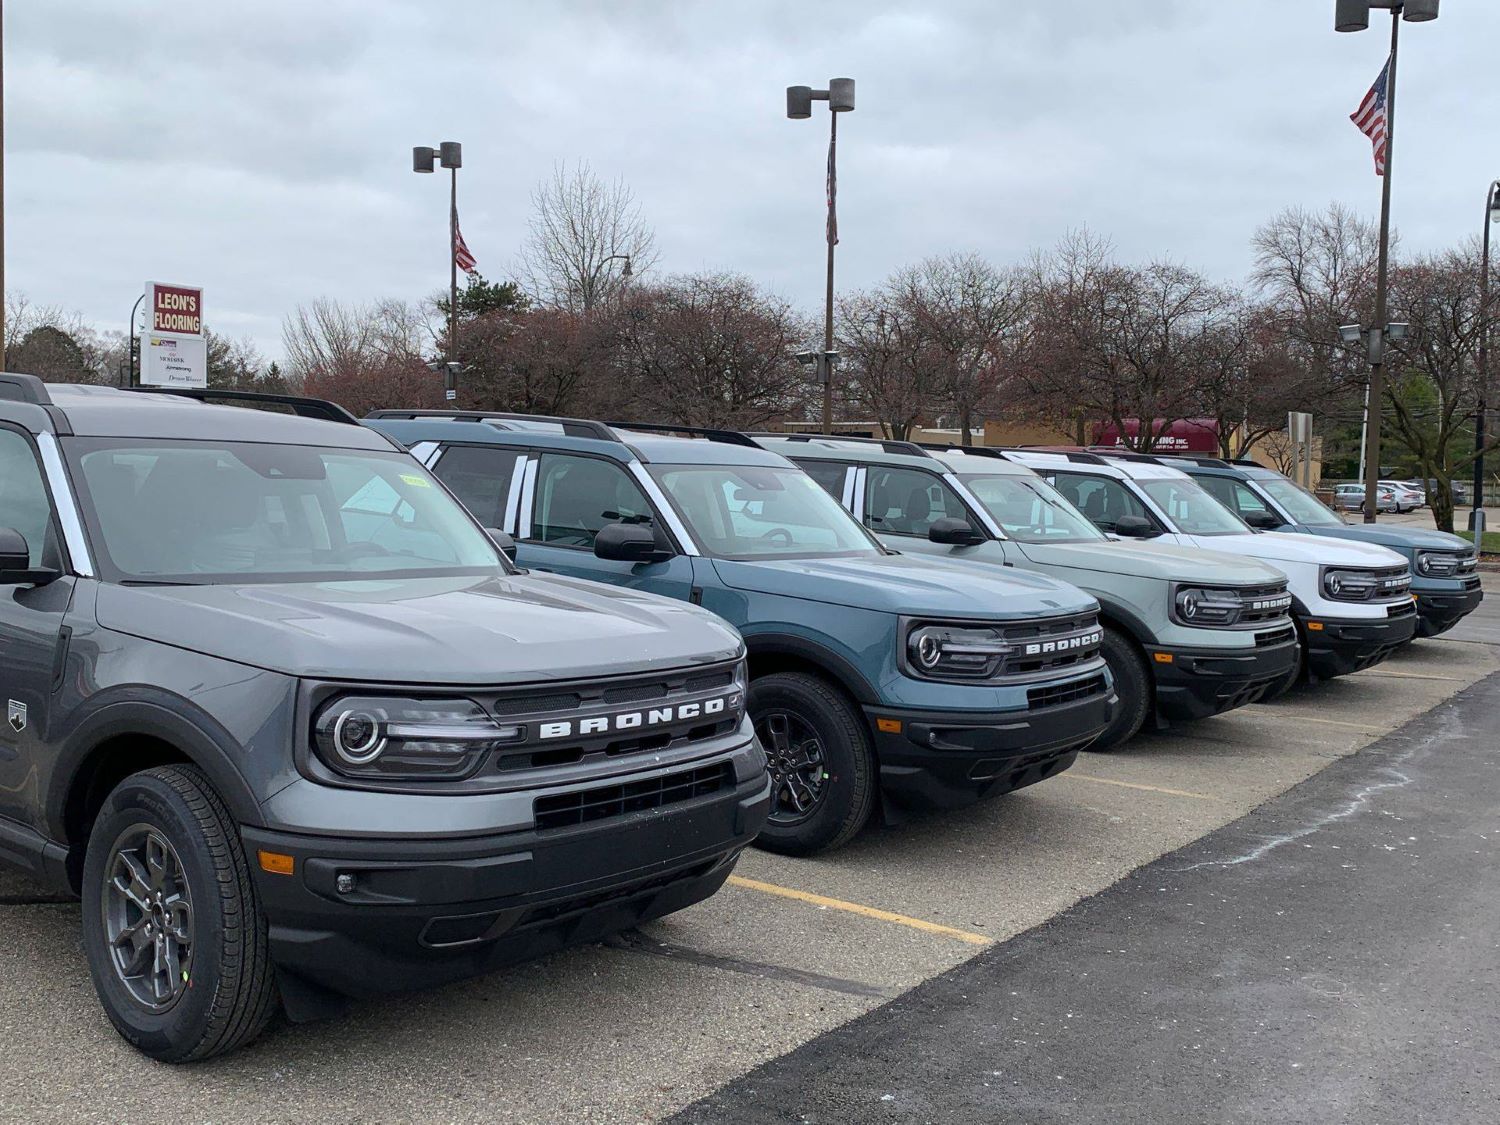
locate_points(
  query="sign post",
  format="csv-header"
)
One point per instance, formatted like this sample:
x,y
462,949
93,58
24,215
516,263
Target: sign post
x,y
174,349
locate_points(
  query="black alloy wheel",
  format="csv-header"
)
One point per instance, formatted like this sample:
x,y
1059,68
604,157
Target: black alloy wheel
x,y
796,763
148,918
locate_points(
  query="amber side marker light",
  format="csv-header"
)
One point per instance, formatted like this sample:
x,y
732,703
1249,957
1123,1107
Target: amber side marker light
x,y
888,726
1162,657
276,863
1315,626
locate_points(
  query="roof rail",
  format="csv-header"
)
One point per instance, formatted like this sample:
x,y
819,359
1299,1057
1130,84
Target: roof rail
x,y
726,437
24,388
889,445
971,450
572,427
301,405
1166,456
1078,456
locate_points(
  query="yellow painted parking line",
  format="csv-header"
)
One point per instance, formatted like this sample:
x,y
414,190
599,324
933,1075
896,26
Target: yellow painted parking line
x,y
862,911
1075,776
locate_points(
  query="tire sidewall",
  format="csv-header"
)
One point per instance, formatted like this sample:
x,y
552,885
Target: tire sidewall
x,y
841,762
146,799
1132,684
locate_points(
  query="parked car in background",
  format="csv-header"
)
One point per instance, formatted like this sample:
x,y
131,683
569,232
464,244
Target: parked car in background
x,y
1187,633
285,718
1351,498
1409,497
1351,601
878,680
1445,576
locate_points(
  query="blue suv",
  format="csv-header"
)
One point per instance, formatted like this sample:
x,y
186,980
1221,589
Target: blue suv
x,y
875,677
1444,568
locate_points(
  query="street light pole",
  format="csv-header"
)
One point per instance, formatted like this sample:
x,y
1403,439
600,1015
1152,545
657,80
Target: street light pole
x,y
840,99
426,159
1354,15
1491,212
130,343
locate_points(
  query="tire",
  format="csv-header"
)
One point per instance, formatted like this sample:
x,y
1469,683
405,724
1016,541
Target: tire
x,y
1133,684
164,836
791,711
1293,678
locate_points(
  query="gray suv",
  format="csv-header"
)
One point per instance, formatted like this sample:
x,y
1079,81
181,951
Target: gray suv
x,y
293,727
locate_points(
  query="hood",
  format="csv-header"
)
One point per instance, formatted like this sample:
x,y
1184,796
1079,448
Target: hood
x,y
1289,547
910,584
488,630
1397,538
1151,560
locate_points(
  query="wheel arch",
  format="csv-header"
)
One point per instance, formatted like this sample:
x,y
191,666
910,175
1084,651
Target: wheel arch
x,y
1115,615
784,652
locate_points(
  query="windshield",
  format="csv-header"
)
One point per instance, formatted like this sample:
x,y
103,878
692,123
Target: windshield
x,y
1191,510
1029,509
761,511
230,512
1299,503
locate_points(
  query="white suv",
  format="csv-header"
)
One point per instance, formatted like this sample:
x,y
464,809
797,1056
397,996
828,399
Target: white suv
x,y
1351,601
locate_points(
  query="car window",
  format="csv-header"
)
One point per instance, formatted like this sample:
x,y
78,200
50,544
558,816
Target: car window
x,y
24,504
1235,495
1103,500
761,511
480,476
1192,510
232,511
576,496
908,501
1029,509
1304,507
832,475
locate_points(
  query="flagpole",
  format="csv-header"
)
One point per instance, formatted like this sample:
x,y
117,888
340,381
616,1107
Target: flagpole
x,y
453,267
827,362
1376,391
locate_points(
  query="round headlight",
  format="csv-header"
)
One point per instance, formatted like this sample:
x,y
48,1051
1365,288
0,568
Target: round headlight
x,y
1424,564
358,737
929,650
1335,584
1188,603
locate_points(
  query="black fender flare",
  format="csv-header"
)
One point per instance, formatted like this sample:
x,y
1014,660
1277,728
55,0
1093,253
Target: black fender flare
x,y
1114,613
180,724
841,670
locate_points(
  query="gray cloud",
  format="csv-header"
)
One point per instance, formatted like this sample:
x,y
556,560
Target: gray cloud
x,y
261,150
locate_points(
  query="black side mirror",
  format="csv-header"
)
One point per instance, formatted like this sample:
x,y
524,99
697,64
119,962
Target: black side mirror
x,y
1135,527
628,542
1263,521
954,532
503,540
15,562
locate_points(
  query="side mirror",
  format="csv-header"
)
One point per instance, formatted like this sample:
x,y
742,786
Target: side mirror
x,y
954,532
628,542
1263,521
1135,527
15,562
503,540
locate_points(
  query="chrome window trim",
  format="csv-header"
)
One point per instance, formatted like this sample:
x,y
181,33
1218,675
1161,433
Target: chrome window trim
x,y
846,494
528,498
658,497
513,497
857,507
68,518
427,453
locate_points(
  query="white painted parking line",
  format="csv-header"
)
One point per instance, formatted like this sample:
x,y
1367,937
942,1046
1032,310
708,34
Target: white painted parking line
x,y
1072,775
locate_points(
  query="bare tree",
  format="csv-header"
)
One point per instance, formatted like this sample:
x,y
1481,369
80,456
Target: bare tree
x,y
580,227
364,357
887,368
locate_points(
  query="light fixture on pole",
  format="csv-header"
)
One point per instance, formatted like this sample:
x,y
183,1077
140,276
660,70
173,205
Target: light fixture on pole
x,y
449,154
840,99
1491,216
1354,15
1374,341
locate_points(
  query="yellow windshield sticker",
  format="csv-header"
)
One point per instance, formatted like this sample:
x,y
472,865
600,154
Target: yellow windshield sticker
x,y
415,481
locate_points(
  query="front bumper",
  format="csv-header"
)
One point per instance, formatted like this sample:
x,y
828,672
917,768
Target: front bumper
x,y
426,911
946,759
1439,611
1198,682
1339,646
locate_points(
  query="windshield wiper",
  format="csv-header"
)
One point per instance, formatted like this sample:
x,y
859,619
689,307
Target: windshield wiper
x,y
158,582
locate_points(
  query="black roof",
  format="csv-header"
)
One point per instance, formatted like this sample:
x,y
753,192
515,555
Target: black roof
x,y
90,411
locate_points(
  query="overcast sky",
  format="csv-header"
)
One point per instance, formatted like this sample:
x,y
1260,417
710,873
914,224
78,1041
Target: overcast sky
x,y
262,150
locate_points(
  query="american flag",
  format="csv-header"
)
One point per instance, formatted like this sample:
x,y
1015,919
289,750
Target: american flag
x,y
461,255
1370,117
833,190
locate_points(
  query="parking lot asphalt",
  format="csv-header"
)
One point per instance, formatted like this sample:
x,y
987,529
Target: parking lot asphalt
x,y
640,1027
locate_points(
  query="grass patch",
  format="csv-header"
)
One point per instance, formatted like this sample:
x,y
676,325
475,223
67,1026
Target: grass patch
x,y
1490,545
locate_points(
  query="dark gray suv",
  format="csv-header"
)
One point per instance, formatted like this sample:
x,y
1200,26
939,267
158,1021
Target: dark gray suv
x,y
296,731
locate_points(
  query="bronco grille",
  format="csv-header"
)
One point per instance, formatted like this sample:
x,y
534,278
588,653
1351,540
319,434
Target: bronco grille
x,y
1263,604
1060,642
1052,695
605,801
1275,637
